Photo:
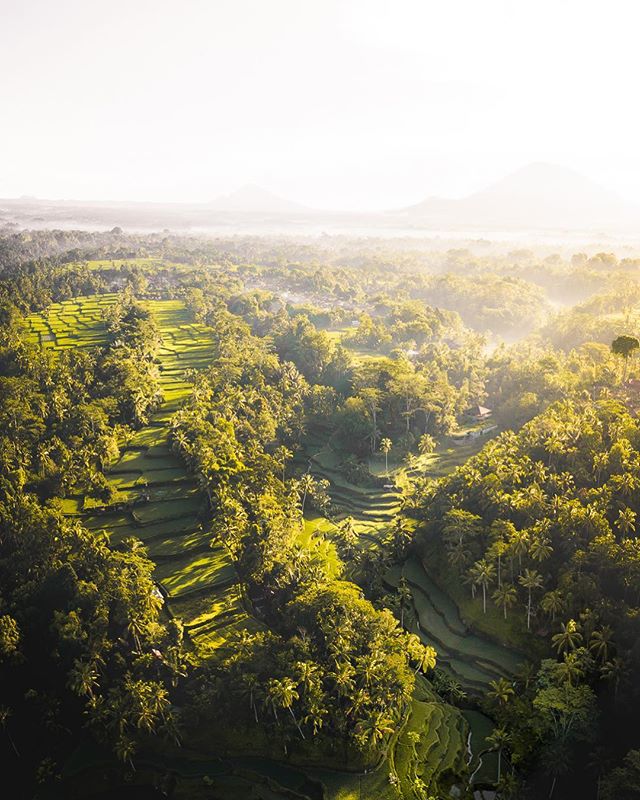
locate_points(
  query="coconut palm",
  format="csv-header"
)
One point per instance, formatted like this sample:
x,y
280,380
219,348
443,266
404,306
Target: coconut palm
x,y
282,694
386,445
626,522
498,740
497,549
519,546
600,642
614,671
553,603
570,669
459,555
282,454
569,637
83,678
483,573
373,729
530,580
505,596
306,485
426,444
405,596
501,691
540,549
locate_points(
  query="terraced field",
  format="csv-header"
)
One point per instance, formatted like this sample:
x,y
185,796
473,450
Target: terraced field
x,y
469,658
72,323
372,508
157,501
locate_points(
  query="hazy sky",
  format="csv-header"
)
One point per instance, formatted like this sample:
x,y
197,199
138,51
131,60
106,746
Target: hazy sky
x,y
335,103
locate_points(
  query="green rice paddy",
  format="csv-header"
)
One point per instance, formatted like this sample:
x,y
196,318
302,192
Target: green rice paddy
x,y
157,501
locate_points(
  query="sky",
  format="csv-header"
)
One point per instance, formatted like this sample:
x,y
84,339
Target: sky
x,y
345,104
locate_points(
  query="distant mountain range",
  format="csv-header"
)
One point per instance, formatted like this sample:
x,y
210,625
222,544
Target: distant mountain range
x,y
251,199
535,196
538,196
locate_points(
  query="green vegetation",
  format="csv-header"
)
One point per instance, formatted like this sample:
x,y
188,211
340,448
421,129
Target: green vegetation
x,y
284,526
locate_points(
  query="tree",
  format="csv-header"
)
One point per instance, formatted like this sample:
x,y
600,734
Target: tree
x,y
570,668
501,691
306,485
530,580
282,694
505,596
625,346
600,642
373,729
405,596
385,446
371,399
519,546
483,573
614,671
498,740
426,444
553,603
626,522
540,549
569,637
282,455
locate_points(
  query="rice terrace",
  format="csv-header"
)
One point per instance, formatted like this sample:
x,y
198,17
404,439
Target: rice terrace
x,y
319,401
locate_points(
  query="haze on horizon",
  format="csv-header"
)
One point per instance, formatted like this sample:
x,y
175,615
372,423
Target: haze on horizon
x,y
359,104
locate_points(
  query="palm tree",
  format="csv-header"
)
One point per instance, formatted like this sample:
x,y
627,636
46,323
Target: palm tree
x,y
498,740
626,522
530,580
570,669
373,729
540,549
282,454
624,346
505,596
83,678
250,685
426,444
498,548
553,603
282,694
459,555
5,713
371,398
421,655
405,596
614,671
600,642
306,485
569,637
519,546
483,575
501,691
385,446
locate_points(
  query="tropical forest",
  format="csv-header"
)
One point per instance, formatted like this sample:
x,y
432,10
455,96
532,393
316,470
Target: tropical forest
x,y
300,518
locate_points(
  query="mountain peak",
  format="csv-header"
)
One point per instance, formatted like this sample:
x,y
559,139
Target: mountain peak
x,y
537,195
251,198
